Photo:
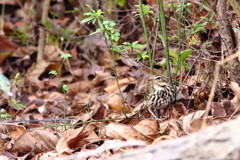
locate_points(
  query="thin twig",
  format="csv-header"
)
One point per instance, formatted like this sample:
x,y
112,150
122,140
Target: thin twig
x,y
216,74
42,34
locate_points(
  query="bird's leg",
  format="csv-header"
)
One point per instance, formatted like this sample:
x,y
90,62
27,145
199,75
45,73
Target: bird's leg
x,y
139,113
150,110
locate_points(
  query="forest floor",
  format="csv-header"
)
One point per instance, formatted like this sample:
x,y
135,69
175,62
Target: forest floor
x,y
60,92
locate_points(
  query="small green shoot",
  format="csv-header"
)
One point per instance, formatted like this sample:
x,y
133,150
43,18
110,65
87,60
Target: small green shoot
x,y
5,116
147,10
180,58
16,103
65,90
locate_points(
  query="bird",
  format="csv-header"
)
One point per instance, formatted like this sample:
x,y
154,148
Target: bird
x,y
159,94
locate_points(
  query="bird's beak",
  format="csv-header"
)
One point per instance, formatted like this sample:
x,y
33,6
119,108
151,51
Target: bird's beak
x,y
150,79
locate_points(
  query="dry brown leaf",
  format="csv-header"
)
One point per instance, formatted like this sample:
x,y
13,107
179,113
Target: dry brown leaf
x,y
122,70
73,139
113,87
16,131
62,146
148,127
24,51
77,72
35,71
101,76
160,139
52,54
106,59
187,121
217,110
54,106
80,86
178,110
229,107
236,89
6,48
36,141
174,128
125,132
54,66
114,101
199,102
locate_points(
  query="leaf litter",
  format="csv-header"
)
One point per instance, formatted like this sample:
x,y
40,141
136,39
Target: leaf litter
x,y
95,125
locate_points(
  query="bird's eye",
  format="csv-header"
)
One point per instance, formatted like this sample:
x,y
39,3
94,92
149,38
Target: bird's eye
x,y
159,78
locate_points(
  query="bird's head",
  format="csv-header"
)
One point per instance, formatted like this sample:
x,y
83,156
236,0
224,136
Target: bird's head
x,y
158,81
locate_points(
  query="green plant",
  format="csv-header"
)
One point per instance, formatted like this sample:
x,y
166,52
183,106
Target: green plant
x,y
16,103
142,16
110,4
65,90
134,47
22,34
55,33
64,87
13,85
5,115
146,10
111,34
181,58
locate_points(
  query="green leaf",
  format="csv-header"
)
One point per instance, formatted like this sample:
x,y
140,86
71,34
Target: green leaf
x,y
173,54
65,87
115,36
65,56
97,31
120,2
53,72
189,11
112,24
4,115
88,20
100,24
88,13
126,43
185,54
16,76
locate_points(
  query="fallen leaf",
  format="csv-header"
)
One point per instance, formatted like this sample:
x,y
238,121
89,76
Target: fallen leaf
x,y
113,87
187,121
125,132
148,127
217,110
35,141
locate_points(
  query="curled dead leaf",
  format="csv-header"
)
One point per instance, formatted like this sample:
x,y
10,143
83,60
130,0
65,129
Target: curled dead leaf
x,y
148,127
191,122
113,87
125,132
114,101
73,139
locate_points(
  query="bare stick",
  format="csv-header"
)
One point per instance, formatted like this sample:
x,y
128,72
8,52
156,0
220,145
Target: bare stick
x,y
216,74
41,41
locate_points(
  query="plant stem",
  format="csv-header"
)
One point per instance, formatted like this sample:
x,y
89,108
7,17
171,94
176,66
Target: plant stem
x,y
165,38
155,41
151,58
2,17
118,84
113,45
180,36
